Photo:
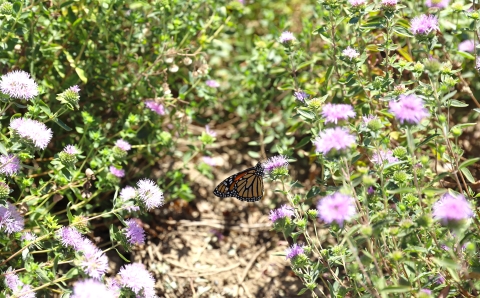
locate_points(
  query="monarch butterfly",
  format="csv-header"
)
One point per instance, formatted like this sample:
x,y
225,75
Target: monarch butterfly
x,y
246,185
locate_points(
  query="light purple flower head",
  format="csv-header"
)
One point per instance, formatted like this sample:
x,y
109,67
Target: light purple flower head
x,y
437,3
337,138
209,161
452,208
117,172
212,84
409,108
368,118
477,64
70,149
301,96
10,219
18,84
128,193
389,3
74,88
70,237
149,193
32,131
294,251
122,144
424,24
275,162
18,288
9,164
282,212
426,291
356,3
134,232
113,286
93,262
383,156
336,208
370,190
350,53
335,112
155,106
91,288
467,46
209,131
138,279
28,236
287,37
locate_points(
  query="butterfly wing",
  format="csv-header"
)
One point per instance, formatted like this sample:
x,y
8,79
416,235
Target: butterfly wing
x,y
246,185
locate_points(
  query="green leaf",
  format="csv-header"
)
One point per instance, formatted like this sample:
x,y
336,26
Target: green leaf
x,y
306,114
458,104
396,289
303,142
427,139
3,150
81,74
466,55
402,190
268,139
468,175
61,124
468,162
302,291
72,273
69,213
254,154
121,256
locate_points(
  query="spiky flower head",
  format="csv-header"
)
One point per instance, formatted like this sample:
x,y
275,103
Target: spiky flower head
x,y
117,172
208,136
294,251
287,37
301,96
350,53
383,156
138,279
357,3
31,132
149,193
437,3
276,166
18,85
212,84
69,155
336,208
18,288
11,220
6,8
281,213
155,107
128,193
93,261
424,25
70,237
408,109
70,97
9,164
134,232
334,140
452,208
337,112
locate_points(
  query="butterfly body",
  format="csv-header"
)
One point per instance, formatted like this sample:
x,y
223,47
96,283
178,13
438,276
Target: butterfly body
x,y
246,185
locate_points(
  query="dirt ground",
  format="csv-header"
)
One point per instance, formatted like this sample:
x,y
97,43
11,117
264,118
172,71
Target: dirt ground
x,y
214,247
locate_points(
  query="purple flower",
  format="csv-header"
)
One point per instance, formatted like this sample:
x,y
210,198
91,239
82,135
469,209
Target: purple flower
x,y
33,131
69,149
209,131
356,3
477,64
275,162
93,262
334,112
209,161
124,145
282,212
138,279
134,232
70,237
287,37
426,291
28,236
437,3
408,108
440,279
18,84
113,286
467,46
382,156
18,288
294,251
370,190
91,288
212,84
424,24
452,208
9,164
300,96
337,138
128,193
368,118
156,107
10,219
350,53
389,3
149,193
336,208
117,172
74,88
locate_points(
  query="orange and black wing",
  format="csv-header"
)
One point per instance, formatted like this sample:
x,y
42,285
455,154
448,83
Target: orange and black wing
x,y
246,185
